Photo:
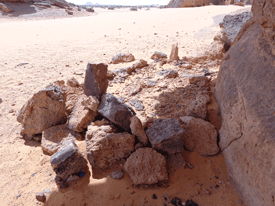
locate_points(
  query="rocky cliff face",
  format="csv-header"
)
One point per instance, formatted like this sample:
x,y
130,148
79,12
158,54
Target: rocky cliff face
x,y
245,91
196,3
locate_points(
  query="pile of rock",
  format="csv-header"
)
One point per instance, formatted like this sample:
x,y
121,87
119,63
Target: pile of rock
x,y
63,113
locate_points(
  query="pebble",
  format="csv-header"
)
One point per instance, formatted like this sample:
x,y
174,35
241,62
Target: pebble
x,y
47,191
19,195
11,111
155,197
117,174
40,196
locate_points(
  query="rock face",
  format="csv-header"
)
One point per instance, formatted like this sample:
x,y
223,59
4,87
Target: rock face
x,y
104,147
245,95
53,138
46,108
121,58
193,3
84,113
68,162
116,111
96,83
146,166
166,135
200,136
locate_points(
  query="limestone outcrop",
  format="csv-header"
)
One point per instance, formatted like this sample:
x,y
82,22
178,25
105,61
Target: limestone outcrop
x,y
245,95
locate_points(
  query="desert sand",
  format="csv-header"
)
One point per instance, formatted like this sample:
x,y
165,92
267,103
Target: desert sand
x,y
35,52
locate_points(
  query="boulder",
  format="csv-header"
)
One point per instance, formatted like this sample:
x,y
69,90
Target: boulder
x,y
45,109
116,111
5,8
104,147
96,82
122,58
53,138
158,56
166,135
174,56
146,167
245,95
68,163
198,107
84,113
138,130
200,136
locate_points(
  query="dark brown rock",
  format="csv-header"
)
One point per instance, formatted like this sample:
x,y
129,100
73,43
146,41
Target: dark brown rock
x,y
40,196
46,108
96,83
166,135
104,147
146,167
68,163
116,111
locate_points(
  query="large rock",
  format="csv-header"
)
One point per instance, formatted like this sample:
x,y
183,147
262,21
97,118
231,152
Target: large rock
x,y
245,94
116,111
146,167
46,108
84,113
104,147
53,138
68,163
96,82
200,136
166,135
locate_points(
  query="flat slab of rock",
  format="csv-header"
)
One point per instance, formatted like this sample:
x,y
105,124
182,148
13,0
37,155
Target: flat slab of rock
x,y
121,58
146,167
104,147
68,163
53,138
166,135
138,130
200,136
96,82
84,113
45,109
115,110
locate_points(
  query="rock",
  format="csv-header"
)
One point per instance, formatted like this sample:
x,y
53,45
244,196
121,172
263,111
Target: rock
x,y
116,111
96,83
137,104
166,135
133,9
43,4
117,174
84,113
197,79
47,191
40,196
176,201
53,137
1,100
61,3
110,74
245,96
90,9
174,53
193,3
158,55
231,26
134,90
72,82
190,203
138,130
104,147
185,66
146,166
198,107
239,4
121,58
142,63
46,108
69,12
169,73
200,136
68,162
5,8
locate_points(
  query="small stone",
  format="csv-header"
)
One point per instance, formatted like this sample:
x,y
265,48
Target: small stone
x,y
96,82
190,203
47,191
90,9
207,192
137,130
176,201
19,195
154,197
40,197
72,82
117,174
190,166
11,111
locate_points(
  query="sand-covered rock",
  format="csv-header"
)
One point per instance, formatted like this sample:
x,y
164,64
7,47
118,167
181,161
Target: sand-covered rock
x,y
200,136
166,135
53,138
84,113
116,111
46,108
245,95
104,147
96,83
146,166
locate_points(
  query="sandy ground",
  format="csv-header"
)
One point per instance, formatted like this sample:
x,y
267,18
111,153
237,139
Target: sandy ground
x,y
35,53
